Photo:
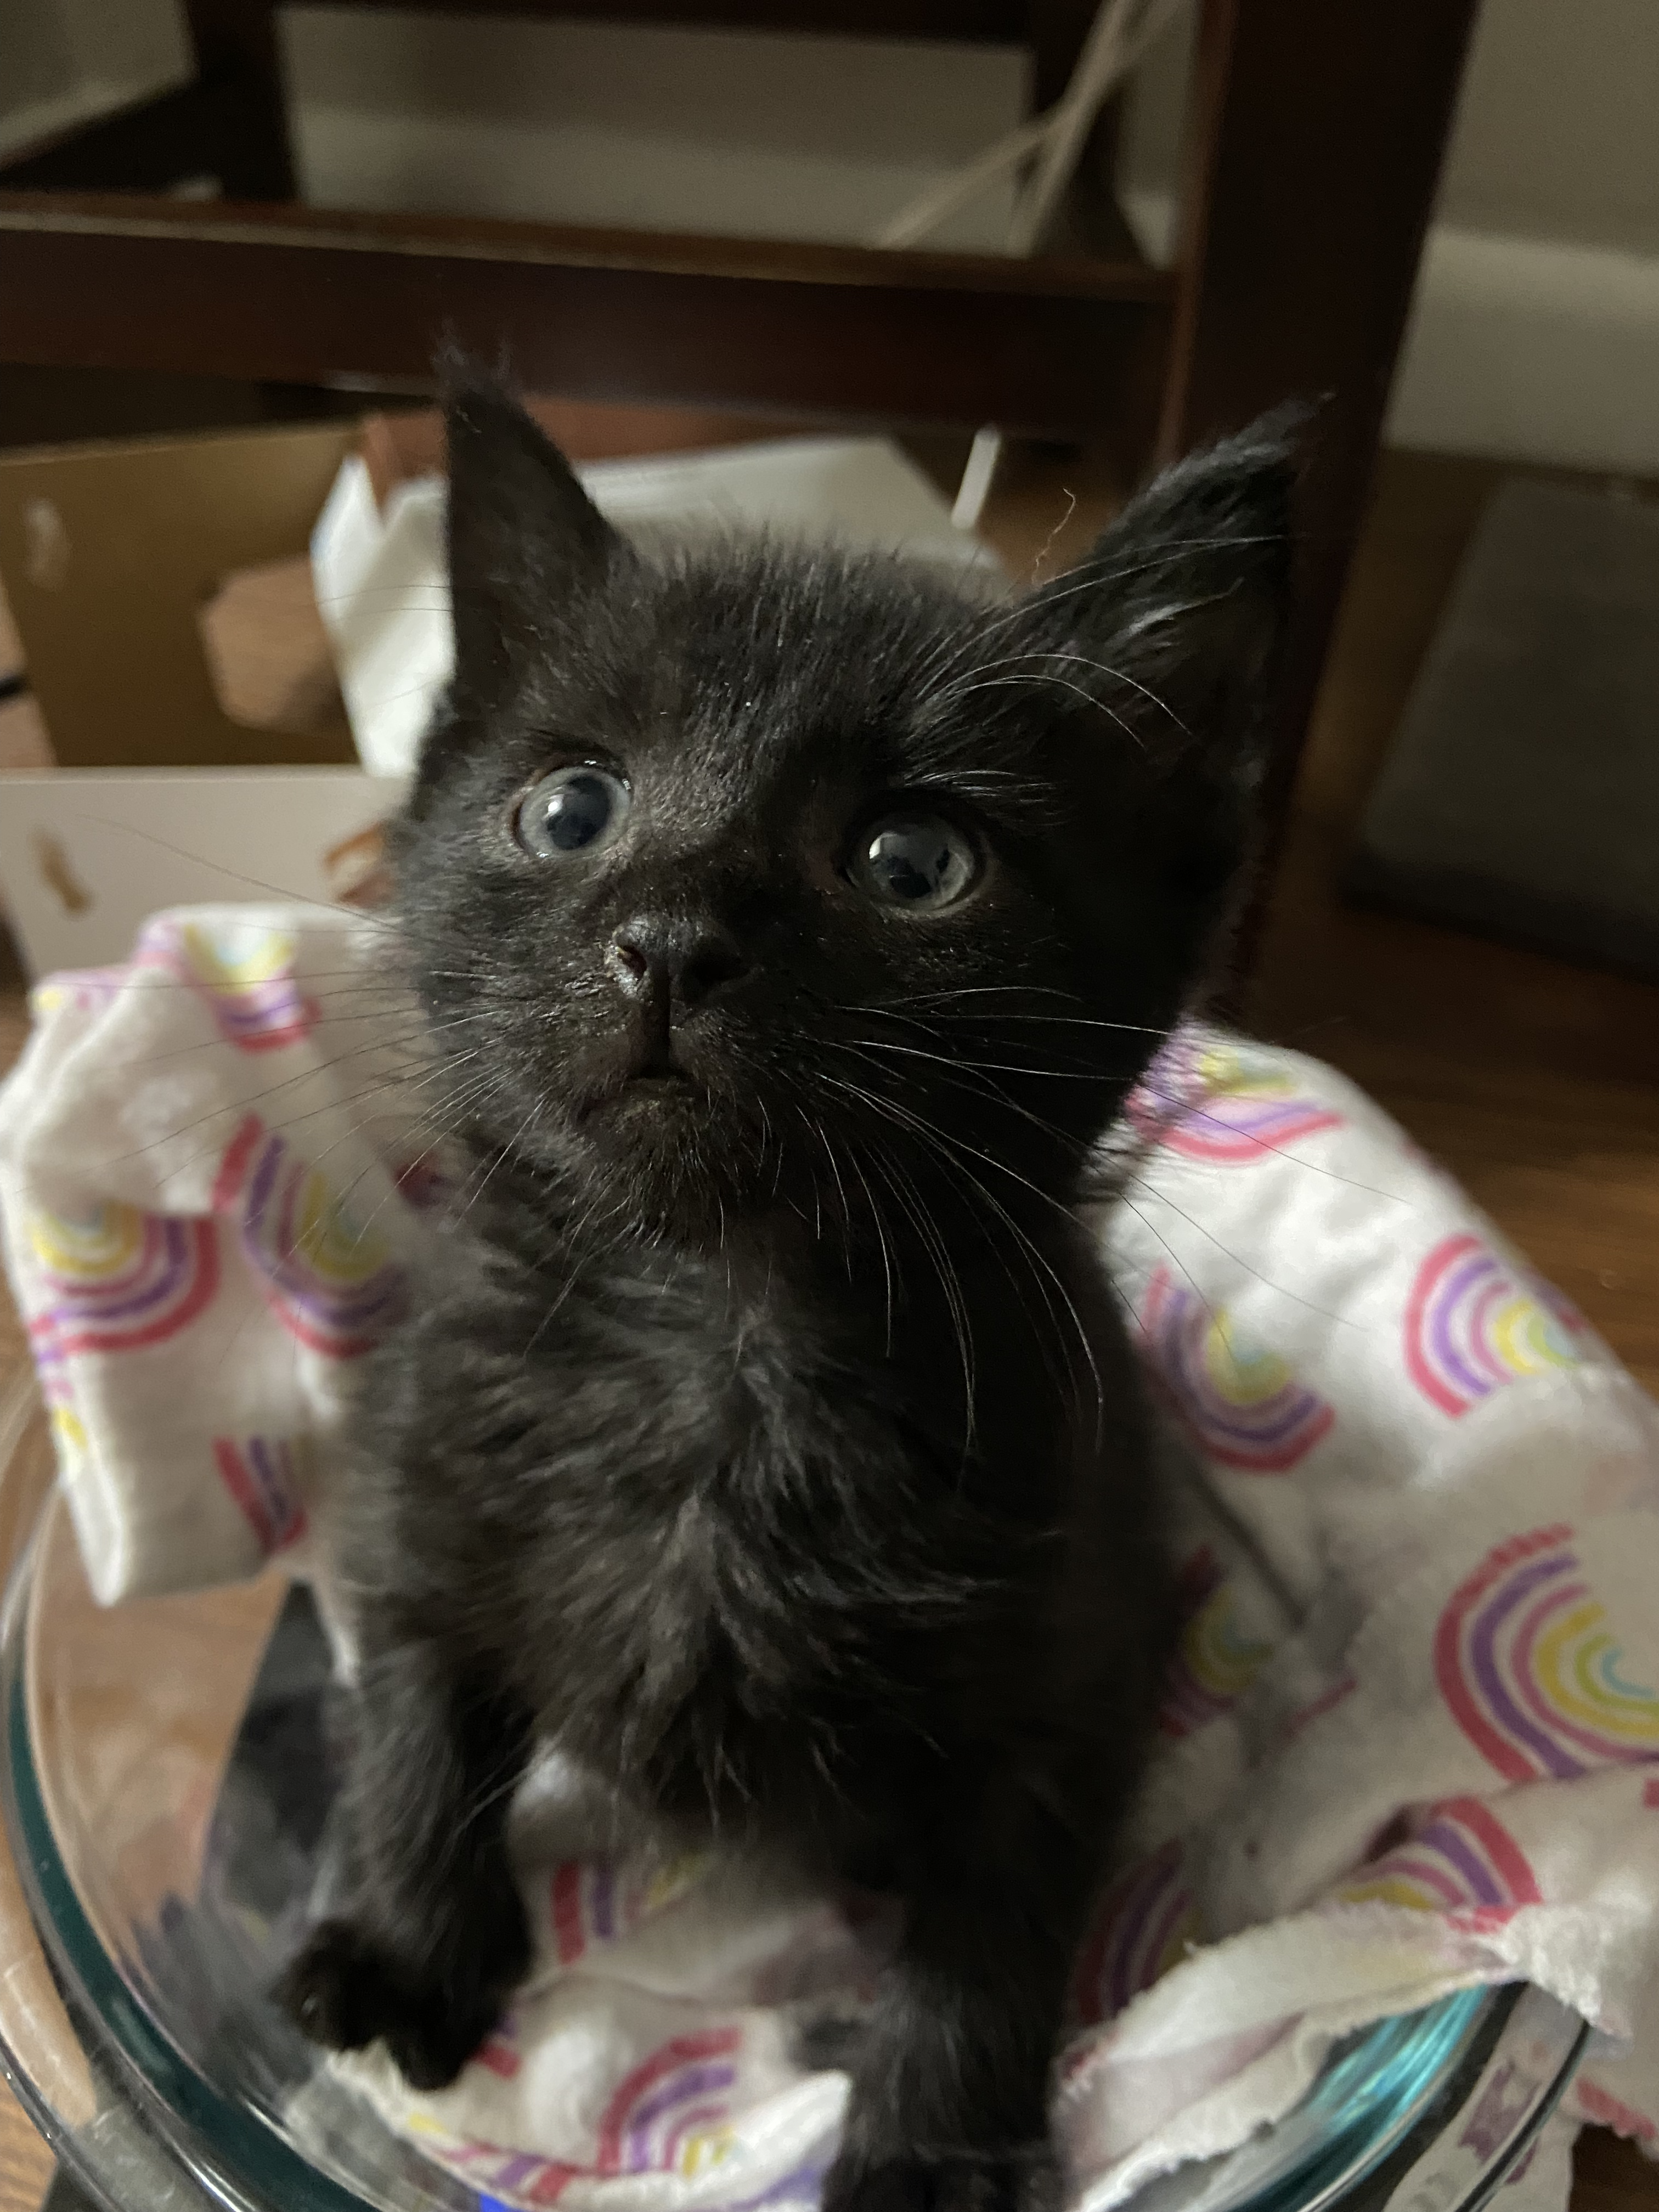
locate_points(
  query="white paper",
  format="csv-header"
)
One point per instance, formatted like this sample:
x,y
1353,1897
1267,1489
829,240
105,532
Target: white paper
x,y
86,855
379,576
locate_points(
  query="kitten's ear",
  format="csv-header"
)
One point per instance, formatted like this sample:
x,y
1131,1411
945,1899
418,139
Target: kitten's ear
x,y
1174,621
525,542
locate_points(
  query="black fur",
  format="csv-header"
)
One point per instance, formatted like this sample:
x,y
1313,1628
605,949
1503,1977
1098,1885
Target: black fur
x,y
764,1433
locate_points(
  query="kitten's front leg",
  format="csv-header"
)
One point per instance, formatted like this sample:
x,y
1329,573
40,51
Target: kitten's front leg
x,y
948,2111
430,1937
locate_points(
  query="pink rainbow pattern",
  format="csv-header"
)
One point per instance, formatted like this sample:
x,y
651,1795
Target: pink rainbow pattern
x,y
499,2053
262,1475
586,1906
1585,2102
1217,1101
1241,1402
1458,1859
496,2173
1215,1660
1533,1669
1474,1323
68,1432
243,973
333,1286
119,1279
525,2178
1145,1924
86,989
1327,1700
662,2115
596,1901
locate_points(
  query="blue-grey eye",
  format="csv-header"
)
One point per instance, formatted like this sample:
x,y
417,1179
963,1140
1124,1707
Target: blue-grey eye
x,y
919,862
574,810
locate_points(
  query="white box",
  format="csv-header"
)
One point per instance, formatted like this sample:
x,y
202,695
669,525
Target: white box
x,y
379,572
87,855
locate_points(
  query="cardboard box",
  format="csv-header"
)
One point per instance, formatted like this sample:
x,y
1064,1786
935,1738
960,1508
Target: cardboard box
x,y
161,586
201,750
111,553
86,856
161,590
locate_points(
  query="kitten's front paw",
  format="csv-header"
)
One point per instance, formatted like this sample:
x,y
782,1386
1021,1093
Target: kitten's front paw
x,y
995,2183
344,1990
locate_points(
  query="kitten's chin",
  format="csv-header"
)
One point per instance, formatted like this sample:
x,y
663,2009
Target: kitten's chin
x,y
666,1158
664,1109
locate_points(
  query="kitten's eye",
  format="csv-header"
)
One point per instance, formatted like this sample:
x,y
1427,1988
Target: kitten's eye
x,y
574,810
916,861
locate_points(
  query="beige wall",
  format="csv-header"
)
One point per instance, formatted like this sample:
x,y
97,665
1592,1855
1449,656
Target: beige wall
x,y
62,61
1557,129
1535,327
786,135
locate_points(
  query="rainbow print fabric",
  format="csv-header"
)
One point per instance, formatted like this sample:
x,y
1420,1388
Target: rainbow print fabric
x,y
203,1233
1409,1732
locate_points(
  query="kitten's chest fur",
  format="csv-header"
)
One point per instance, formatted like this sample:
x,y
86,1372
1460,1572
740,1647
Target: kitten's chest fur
x,y
729,1547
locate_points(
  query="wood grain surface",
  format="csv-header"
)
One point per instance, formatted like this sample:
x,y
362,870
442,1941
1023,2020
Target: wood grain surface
x,y
1535,1080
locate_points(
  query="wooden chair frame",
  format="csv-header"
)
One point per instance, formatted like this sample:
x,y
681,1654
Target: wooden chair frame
x,y
1313,144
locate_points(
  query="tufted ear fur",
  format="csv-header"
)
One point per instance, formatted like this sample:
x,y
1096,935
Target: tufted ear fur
x,y
1152,663
1176,617
526,544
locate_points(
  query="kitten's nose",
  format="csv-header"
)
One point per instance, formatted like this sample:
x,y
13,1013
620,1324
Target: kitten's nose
x,y
673,958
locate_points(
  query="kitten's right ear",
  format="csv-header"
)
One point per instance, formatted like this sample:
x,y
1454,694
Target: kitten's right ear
x,y
525,542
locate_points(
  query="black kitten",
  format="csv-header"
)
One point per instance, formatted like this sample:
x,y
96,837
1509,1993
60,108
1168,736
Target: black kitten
x,y
765,1435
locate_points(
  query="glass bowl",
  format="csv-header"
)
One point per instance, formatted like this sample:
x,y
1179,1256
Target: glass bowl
x,y
162,1792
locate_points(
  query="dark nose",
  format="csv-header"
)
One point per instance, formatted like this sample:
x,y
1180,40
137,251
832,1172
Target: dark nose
x,y
677,959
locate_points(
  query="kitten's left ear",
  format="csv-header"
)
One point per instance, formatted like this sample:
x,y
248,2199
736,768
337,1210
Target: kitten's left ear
x,y
1174,621
526,544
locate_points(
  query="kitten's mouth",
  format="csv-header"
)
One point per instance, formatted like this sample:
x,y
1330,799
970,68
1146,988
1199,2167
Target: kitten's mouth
x,y
647,1080
653,1065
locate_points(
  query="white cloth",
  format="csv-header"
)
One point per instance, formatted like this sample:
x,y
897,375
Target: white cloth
x,y
1411,1741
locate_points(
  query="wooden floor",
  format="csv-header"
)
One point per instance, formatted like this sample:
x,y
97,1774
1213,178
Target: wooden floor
x,y
1536,1081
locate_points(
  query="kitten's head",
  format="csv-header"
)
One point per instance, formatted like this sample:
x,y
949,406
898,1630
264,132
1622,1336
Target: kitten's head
x,y
759,879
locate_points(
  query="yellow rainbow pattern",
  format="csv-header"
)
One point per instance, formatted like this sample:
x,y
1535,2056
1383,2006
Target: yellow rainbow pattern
x,y
331,1279
706,2149
116,1279
239,957
1474,1323
1208,1100
1241,1401
1226,1659
95,1248
1575,1664
1244,1374
1533,1668
244,972
1215,1662
328,1242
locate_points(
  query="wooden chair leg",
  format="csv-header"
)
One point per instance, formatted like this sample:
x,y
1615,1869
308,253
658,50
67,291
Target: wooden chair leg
x,y
146,147
1315,135
228,123
235,45
1056,31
